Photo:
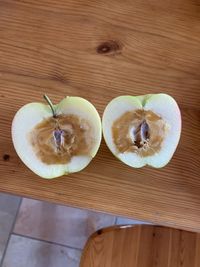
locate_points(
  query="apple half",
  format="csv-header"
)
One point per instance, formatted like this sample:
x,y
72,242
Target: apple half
x,y
53,140
142,130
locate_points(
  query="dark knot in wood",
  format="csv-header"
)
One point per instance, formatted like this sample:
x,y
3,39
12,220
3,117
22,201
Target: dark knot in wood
x,y
109,47
99,232
6,157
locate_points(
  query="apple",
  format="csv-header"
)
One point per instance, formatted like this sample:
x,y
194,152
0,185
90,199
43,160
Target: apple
x,y
142,130
53,140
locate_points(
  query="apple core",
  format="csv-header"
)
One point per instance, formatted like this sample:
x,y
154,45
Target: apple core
x,y
57,139
139,131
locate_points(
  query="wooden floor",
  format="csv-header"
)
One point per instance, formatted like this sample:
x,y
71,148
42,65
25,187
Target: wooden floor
x,y
142,246
99,50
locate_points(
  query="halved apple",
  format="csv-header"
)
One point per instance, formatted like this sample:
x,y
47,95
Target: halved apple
x,y
53,140
142,130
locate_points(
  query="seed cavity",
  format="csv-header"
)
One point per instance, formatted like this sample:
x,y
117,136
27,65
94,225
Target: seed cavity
x,y
141,134
58,138
145,131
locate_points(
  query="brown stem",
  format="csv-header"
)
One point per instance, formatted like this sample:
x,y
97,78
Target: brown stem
x,y
51,105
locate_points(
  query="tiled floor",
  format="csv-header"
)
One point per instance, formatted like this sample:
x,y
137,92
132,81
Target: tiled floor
x,y
60,224
28,252
40,234
8,210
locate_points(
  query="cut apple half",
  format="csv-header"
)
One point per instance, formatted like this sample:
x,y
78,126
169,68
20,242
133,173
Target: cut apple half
x,y
53,140
142,130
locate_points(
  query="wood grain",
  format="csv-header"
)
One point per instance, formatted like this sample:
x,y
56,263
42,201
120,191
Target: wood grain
x,y
99,50
142,246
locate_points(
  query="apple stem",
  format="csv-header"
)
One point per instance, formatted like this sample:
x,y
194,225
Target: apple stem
x,y
51,105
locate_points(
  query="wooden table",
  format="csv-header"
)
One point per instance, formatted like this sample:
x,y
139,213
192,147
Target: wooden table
x,y
99,50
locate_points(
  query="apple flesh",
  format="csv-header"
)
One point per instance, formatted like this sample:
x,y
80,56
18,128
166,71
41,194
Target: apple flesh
x,y
53,140
142,130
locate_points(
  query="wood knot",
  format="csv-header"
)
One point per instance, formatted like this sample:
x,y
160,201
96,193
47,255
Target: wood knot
x,y
109,47
6,157
99,232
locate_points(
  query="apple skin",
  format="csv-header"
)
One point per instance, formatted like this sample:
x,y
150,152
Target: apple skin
x,y
163,105
31,114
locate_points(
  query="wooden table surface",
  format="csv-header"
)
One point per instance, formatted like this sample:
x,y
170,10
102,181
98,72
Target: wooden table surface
x,y
99,50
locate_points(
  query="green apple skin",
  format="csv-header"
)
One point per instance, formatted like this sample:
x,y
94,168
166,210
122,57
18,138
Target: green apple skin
x,y
31,114
161,104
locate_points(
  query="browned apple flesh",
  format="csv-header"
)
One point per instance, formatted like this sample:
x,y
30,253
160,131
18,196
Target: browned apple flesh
x,y
139,131
57,140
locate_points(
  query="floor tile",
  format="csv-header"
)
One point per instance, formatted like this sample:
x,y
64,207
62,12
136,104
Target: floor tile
x,y
60,224
122,220
8,209
26,252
